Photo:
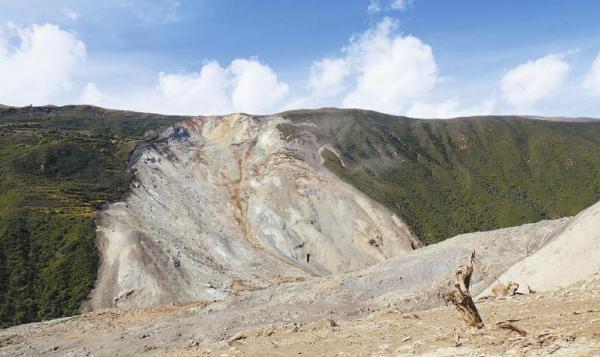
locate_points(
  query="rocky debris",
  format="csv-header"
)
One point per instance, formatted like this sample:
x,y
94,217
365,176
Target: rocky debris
x,y
324,324
500,289
564,322
509,326
238,336
375,308
511,288
192,344
223,205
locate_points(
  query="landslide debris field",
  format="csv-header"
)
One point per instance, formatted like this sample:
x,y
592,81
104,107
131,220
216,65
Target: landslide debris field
x,y
393,307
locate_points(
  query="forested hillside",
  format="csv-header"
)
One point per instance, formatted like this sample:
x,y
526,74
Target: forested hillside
x,y
447,177
57,167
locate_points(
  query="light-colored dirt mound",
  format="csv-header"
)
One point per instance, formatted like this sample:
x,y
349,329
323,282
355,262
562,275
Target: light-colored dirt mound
x,y
223,202
571,255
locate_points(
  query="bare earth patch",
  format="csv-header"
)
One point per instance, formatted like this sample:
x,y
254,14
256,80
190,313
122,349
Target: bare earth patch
x,y
564,323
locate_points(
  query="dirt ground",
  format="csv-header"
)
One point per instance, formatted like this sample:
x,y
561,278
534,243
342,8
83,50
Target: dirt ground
x,y
564,323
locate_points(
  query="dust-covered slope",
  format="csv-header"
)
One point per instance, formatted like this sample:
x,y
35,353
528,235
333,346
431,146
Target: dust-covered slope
x,y
572,255
221,204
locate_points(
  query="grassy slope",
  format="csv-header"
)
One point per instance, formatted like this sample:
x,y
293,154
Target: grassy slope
x,y
447,177
57,166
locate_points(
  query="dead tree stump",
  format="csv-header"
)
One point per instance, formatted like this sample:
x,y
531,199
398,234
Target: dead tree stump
x,y
461,298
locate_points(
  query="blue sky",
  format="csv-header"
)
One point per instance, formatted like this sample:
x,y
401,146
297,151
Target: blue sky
x,y
421,58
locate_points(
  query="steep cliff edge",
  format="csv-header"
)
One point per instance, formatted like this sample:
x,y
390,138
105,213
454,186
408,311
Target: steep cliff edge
x,y
223,204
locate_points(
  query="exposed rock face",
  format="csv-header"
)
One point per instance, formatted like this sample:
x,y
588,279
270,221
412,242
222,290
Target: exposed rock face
x,y
220,204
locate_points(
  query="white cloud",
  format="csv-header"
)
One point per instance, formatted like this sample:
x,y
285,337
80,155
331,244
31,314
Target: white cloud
x,y
374,7
327,76
91,94
391,70
256,88
379,69
40,69
449,109
526,84
201,92
72,14
591,82
400,4
246,85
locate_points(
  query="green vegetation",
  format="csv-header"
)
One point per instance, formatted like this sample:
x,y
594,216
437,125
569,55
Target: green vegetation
x,y
447,177
57,167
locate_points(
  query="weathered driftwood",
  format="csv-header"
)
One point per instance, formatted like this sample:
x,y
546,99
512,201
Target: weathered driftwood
x,y
461,298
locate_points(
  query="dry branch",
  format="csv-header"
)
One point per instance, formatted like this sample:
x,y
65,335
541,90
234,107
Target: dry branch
x,y
508,326
461,298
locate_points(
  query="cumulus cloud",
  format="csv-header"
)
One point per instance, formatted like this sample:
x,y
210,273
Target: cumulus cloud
x,y
526,84
71,14
256,88
391,70
246,85
451,108
327,76
400,4
591,82
374,7
91,94
40,69
380,70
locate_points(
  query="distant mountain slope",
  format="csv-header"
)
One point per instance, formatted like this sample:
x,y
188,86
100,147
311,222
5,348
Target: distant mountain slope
x,y
447,177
